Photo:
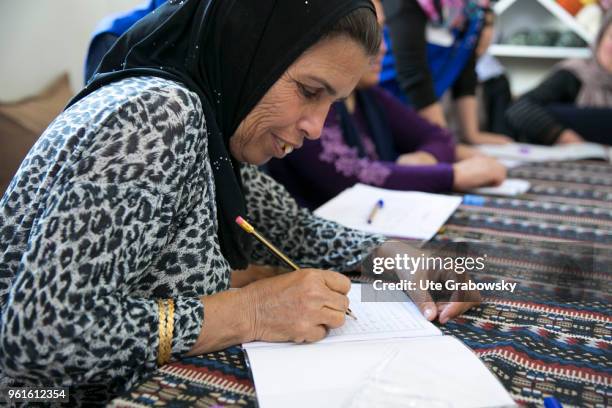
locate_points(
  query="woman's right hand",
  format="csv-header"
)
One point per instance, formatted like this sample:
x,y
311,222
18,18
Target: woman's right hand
x,y
478,171
299,306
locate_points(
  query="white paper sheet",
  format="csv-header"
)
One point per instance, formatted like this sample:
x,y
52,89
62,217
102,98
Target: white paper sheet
x,y
375,320
405,214
437,372
510,187
537,153
331,375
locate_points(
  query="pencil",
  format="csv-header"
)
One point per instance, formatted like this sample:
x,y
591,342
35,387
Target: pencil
x,y
277,252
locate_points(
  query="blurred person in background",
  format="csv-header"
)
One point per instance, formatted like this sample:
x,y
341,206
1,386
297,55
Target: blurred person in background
x,y
434,46
374,138
574,103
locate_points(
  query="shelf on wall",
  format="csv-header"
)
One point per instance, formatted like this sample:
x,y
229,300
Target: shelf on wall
x,y
527,51
555,10
527,66
542,13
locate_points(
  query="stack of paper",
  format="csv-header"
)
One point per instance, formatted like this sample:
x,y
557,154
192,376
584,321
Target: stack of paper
x,y
419,362
404,214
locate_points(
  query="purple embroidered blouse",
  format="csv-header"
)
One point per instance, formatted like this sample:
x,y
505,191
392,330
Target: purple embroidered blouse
x,y
323,168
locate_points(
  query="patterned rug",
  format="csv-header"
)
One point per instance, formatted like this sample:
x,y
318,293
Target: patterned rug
x,y
553,338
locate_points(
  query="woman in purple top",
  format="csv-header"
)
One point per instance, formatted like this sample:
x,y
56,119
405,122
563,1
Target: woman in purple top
x,y
373,138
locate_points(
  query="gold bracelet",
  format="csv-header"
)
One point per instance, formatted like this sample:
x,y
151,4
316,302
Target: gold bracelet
x,y
166,329
162,332
169,329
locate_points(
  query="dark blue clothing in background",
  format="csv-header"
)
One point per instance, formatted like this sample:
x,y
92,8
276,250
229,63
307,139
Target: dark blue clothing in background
x,y
109,30
419,71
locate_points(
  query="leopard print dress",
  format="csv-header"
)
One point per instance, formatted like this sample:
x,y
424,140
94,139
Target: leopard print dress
x,y
113,208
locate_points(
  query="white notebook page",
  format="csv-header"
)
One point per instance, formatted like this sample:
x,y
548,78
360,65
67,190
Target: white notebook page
x,y
405,214
438,368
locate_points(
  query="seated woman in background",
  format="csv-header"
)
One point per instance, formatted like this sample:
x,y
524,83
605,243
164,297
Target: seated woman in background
x,y
373,138
572,105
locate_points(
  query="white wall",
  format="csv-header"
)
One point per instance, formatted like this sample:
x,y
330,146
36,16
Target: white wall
x,y
40,39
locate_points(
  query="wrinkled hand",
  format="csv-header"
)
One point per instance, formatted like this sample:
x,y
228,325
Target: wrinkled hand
x,y
456,303
416,159
478,171
299,306
445,307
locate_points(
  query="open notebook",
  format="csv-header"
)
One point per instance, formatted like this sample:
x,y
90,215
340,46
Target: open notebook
x,y
389,343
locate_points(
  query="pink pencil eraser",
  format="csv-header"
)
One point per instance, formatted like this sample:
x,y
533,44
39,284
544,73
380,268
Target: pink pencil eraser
x,y
239,220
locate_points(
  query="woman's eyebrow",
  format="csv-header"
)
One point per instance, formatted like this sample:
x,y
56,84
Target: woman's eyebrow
x,y
330,89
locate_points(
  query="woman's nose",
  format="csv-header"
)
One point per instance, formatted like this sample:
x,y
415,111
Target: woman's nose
x,y
312,124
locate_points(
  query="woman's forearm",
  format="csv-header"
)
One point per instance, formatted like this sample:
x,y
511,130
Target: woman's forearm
x,y
227,321
434,113
468,117
467,111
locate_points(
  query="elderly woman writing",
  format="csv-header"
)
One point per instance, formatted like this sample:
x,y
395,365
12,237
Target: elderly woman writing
x,y
121,218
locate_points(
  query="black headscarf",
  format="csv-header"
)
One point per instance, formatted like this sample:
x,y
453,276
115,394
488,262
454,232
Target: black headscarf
x,y
377,123
230,52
